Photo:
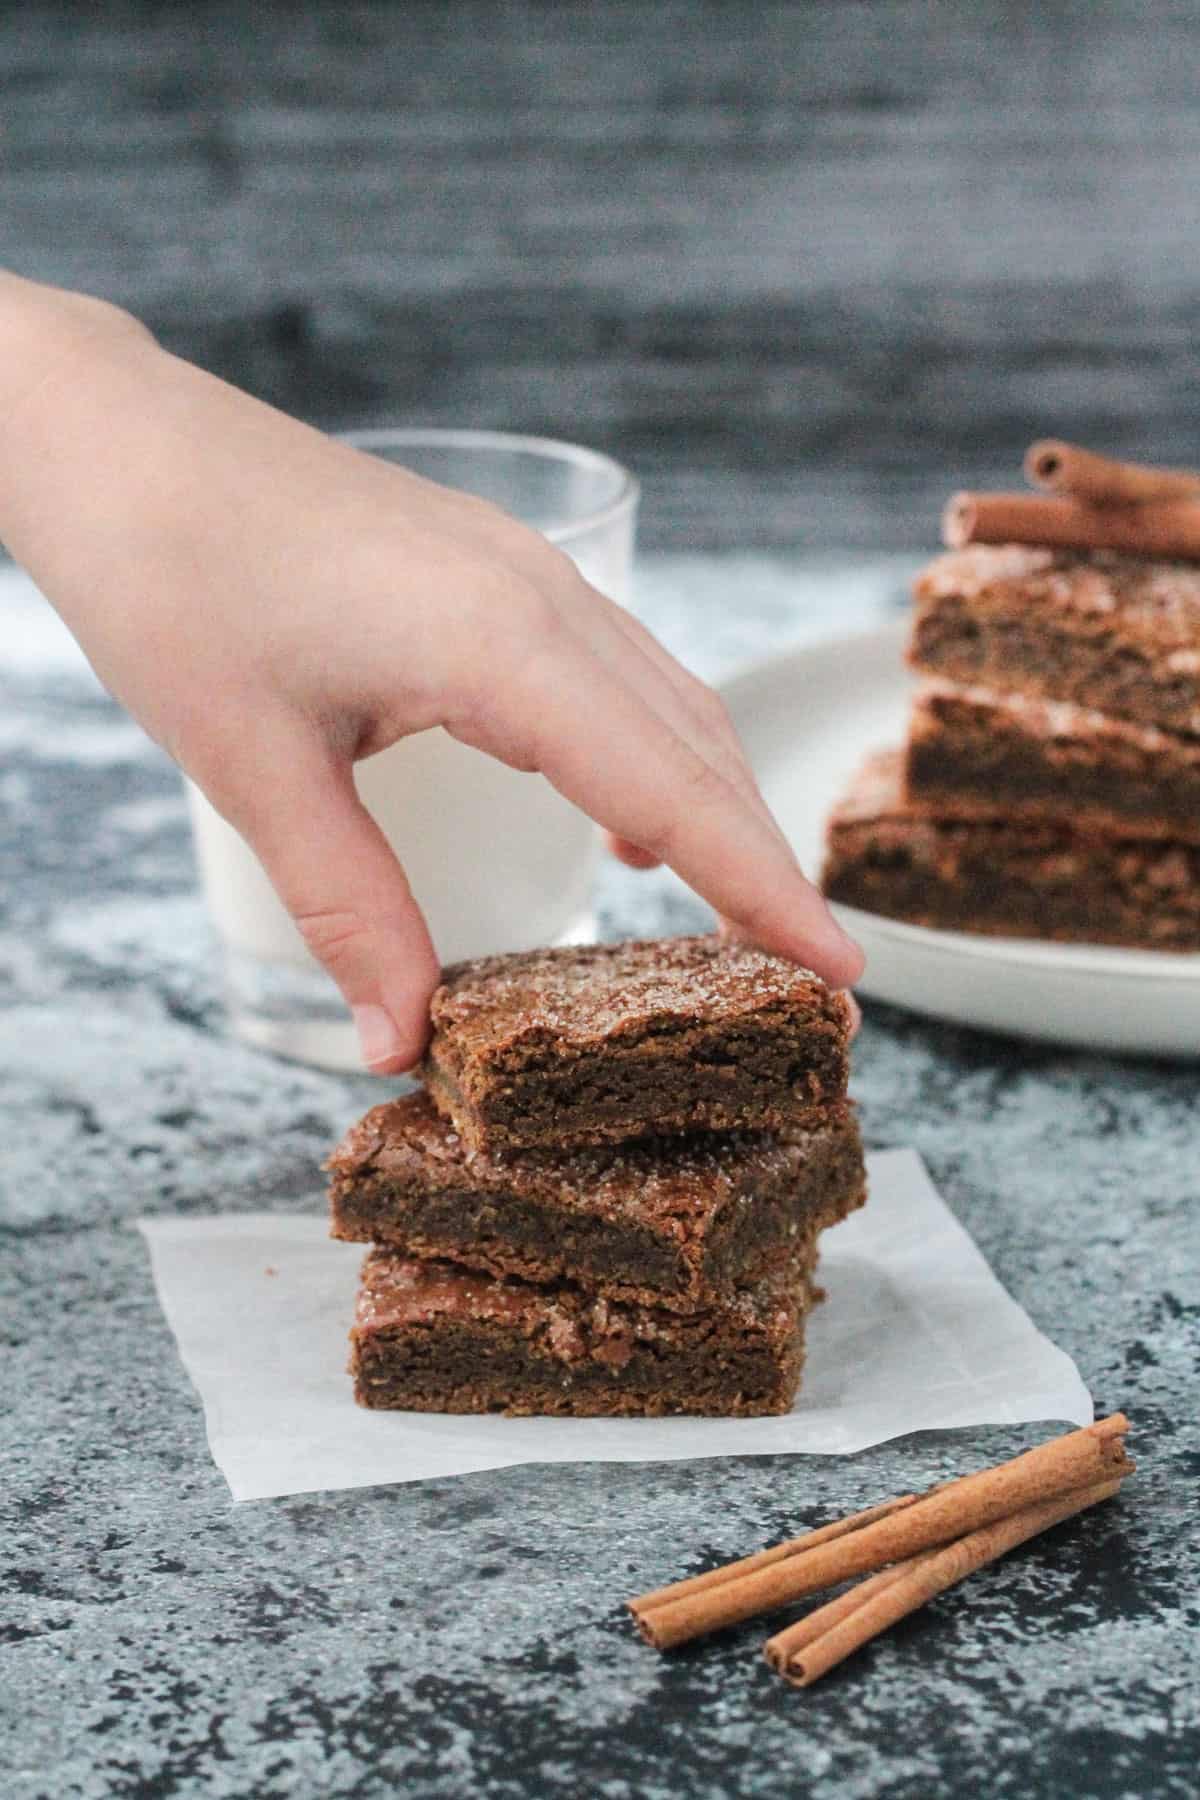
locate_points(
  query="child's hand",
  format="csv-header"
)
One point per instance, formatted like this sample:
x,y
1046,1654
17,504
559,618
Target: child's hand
x,y
273,605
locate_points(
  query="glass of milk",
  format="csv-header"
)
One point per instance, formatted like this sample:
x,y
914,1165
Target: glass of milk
x,y
497,859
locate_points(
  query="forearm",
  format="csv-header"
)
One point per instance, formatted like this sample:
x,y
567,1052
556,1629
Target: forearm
x,y
70,367
56,359
42,329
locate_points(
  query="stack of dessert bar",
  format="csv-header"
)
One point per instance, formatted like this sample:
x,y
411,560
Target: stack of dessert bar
x,y
1050,786
607,1197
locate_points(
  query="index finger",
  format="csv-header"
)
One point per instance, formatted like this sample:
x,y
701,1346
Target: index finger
x,y
605,749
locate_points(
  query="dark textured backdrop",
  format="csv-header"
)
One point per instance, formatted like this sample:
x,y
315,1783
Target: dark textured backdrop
x,y
803,265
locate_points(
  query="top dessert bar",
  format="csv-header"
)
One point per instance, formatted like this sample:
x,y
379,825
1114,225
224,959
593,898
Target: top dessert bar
x,y
1119,634
608,1042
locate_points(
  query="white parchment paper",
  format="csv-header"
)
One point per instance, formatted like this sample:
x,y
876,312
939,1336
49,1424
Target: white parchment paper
x,y
916,1333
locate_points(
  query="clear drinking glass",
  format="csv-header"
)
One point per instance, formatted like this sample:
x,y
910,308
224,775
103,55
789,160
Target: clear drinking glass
x,y
497,859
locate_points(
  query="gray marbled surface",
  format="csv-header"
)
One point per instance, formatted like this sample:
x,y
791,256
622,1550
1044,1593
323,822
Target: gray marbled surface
x,y
467,1636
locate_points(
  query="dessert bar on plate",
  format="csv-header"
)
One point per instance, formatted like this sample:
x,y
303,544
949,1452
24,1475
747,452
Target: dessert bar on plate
x,y
1006,875
673,1222
807,718
432,1337
614,1041
1118,634
974,749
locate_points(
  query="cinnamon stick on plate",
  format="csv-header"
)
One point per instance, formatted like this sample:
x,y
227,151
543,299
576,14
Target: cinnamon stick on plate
x,y
1166,528
815,1644
888,1534
1100,480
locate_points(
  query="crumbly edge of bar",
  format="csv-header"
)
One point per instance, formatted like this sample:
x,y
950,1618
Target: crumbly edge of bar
x,y
443,1371
722,1081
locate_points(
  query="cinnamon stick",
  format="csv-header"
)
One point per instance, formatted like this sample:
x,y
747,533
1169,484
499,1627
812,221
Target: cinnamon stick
x,y
816,1644
1063,468
1080,1459
1159,528
862,1601
762,1559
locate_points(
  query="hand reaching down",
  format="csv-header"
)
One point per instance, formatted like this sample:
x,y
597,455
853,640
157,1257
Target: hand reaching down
x,y
262,597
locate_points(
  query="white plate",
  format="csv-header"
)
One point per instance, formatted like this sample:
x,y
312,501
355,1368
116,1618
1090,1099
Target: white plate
x,y
807,719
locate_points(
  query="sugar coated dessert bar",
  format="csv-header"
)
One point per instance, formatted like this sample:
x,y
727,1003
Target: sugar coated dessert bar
x,y
614,1041
977,750
1119,634
673,1222
433,1337
1014,877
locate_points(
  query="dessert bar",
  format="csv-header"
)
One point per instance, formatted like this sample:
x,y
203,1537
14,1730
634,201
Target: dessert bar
x,y
674,1222
432,1337
973,749
614,1041
1014,877
1119,634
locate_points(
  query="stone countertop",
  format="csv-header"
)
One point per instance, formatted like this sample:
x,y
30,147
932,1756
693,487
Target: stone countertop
x,y
468,1636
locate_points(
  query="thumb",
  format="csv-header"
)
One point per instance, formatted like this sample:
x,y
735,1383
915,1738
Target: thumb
x,y
337,875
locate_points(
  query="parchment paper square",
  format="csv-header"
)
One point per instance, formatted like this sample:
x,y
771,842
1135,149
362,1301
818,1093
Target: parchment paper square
x,y
916,1333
